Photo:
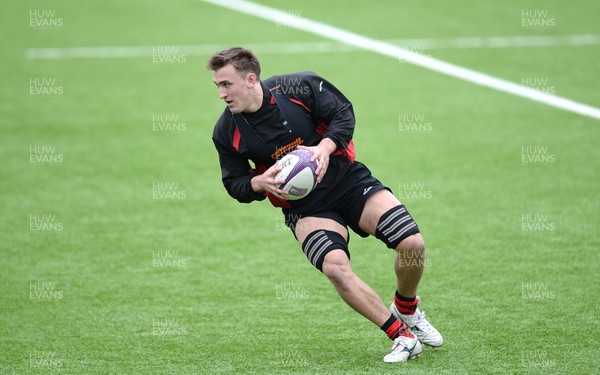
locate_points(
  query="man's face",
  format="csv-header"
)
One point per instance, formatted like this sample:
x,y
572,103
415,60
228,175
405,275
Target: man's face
x,y
235,88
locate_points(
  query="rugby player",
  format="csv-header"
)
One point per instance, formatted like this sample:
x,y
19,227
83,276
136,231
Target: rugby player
x,y
263,120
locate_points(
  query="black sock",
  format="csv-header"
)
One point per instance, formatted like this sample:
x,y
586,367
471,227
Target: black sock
x,y
391,327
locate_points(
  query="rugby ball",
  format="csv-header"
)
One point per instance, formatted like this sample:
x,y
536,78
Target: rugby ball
x,y
298,173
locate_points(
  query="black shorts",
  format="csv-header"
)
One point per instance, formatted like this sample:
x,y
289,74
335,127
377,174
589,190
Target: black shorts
x,y
341,196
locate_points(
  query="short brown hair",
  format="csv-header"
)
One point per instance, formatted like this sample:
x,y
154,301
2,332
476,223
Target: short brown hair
x,y
243,60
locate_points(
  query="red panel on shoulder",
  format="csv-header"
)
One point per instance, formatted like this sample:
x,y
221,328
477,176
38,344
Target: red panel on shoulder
x,y
236,139
296,101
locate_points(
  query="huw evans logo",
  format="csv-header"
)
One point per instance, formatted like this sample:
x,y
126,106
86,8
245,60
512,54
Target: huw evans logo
x,y
537,19
291,86
537,155
44,86
290,290
44,223
44,155
536,358
44,358
415,49
413,191
537,223
414,123
167,191
412,259
44,19
44,291
536,291
290,358
168,259
540,84
168,122
167,54
167,327
283,20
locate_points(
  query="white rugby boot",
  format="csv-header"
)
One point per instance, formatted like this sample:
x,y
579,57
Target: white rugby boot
x,y
419,326
404,348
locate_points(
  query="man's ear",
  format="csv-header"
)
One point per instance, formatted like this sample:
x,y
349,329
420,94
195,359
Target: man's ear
x,y
251,79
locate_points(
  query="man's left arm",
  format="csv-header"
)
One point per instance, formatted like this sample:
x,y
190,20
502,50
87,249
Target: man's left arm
x,y
332,109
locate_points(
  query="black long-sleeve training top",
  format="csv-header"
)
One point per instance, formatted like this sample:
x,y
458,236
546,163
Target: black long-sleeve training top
x,y
331,114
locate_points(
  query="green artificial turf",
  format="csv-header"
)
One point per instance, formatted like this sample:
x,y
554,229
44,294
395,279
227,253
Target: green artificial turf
x,y
121,253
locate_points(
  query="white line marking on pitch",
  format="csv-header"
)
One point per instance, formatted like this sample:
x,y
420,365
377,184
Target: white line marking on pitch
x,y
502,41
387,49
324,46
190,50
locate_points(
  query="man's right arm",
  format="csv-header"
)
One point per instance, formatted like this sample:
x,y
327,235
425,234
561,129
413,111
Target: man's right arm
x,y
236,172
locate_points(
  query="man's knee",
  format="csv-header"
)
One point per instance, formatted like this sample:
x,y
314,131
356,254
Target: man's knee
x,y
412,245
336,266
